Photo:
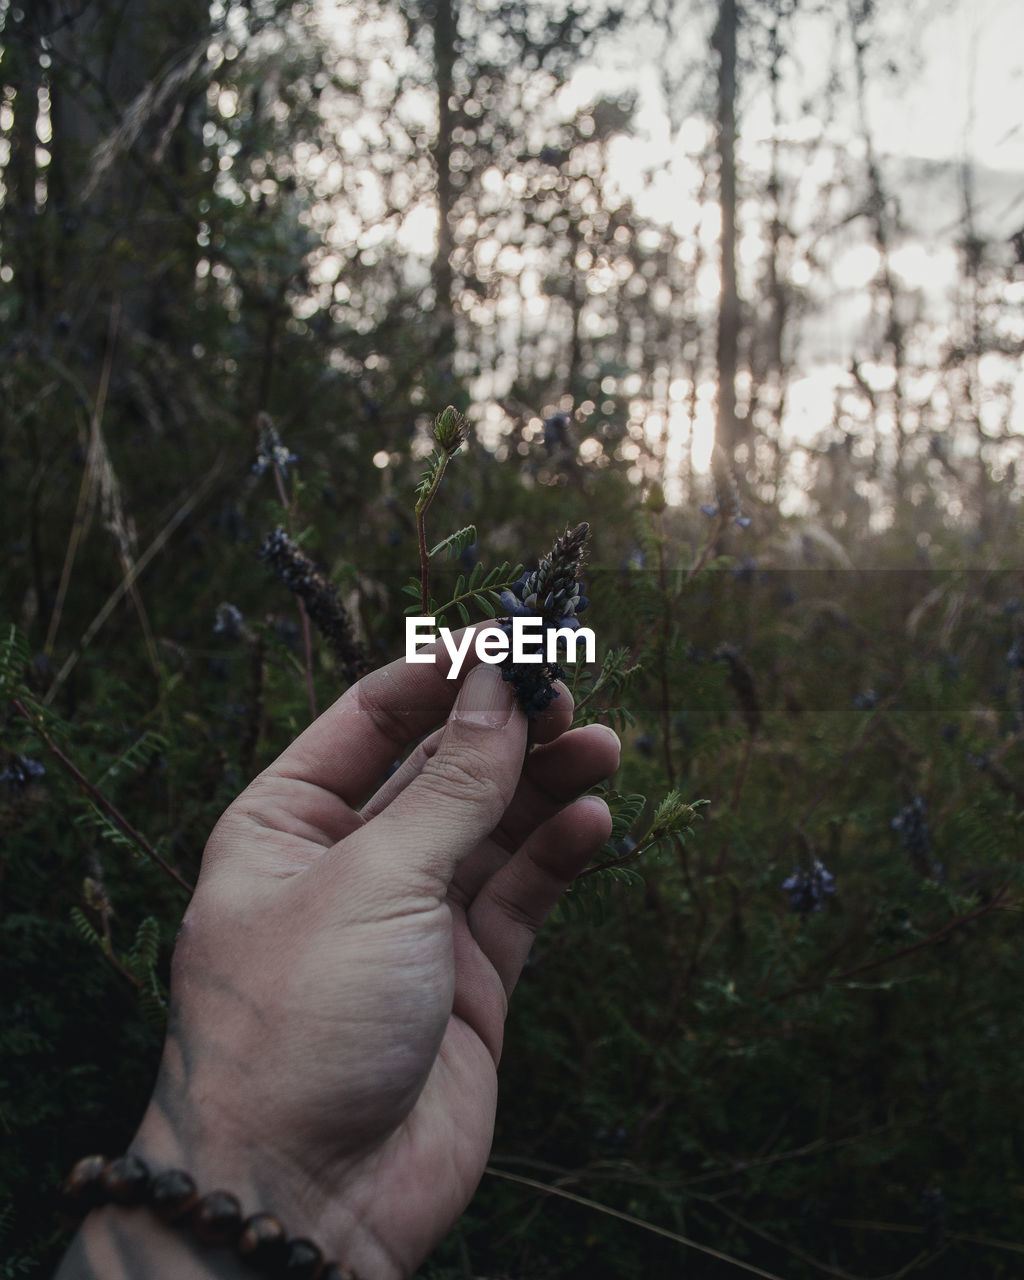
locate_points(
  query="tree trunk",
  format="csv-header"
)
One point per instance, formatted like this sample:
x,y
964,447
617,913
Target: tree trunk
x,y
127,239
22,232
727,434
445,32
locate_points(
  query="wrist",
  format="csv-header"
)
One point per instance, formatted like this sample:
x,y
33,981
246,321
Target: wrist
x,y
142,1220
331,1212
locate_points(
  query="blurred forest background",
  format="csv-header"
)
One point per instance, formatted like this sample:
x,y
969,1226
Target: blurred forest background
x,y
740,282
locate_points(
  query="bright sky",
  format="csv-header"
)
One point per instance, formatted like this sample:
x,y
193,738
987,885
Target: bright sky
x,y
956,91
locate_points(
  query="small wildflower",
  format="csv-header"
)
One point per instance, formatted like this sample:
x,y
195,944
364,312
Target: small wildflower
x,y
865,701
709,509
228,622
1015,655
553,593
912,824
808,889
20,771
272,451
320,596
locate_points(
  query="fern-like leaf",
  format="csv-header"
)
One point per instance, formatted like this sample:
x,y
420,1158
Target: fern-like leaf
x,y
435,463
455,543
136,758
145,948
153,1001
15,657
85,930
587,899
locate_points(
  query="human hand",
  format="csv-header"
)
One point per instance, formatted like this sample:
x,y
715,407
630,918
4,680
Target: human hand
x,y
341,979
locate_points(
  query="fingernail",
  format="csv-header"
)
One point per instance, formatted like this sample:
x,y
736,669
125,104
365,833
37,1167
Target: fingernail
x,y
484,698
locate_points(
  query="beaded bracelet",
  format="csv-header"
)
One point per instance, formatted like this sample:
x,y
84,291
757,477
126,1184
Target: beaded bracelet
x,y
215,1219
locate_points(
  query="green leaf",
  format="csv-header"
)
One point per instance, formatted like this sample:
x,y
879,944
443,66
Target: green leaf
x,y
85,929
15,657
138,755
145,948
455,543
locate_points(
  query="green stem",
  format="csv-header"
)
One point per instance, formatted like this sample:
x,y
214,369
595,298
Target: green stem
x,y
995,903
422,505
100,800
307,635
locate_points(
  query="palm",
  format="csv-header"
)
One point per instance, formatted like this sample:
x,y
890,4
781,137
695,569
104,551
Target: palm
x,y
361,952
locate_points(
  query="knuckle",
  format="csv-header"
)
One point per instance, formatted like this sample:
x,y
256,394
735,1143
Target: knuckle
x,y
518,911
466,777
393,721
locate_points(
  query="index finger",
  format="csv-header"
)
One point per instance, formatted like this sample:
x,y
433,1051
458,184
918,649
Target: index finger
x,y
348,748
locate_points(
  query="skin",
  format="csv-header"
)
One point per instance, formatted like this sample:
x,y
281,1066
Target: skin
x,y
342,975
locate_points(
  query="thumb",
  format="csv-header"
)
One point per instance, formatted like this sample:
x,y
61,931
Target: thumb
x,y
457,798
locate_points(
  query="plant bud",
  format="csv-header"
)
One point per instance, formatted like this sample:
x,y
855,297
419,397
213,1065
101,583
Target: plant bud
x,y
450,429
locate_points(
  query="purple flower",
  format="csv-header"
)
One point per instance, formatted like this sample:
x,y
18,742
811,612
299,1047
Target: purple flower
x,y
272,451
808,889
552,593
20,771
912,824
228,622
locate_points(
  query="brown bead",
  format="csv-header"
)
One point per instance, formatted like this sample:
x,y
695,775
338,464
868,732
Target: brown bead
x,y
81,1189
217,1219
302,1261
263,1242
126,1180
172,1194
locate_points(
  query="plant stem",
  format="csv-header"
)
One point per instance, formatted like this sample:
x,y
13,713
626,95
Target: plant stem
x,y
421,539
993,904
100,800
422,505
86,490
138,566
307,634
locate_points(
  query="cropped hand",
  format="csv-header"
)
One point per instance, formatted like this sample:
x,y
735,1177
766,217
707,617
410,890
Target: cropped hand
x,y
342,975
